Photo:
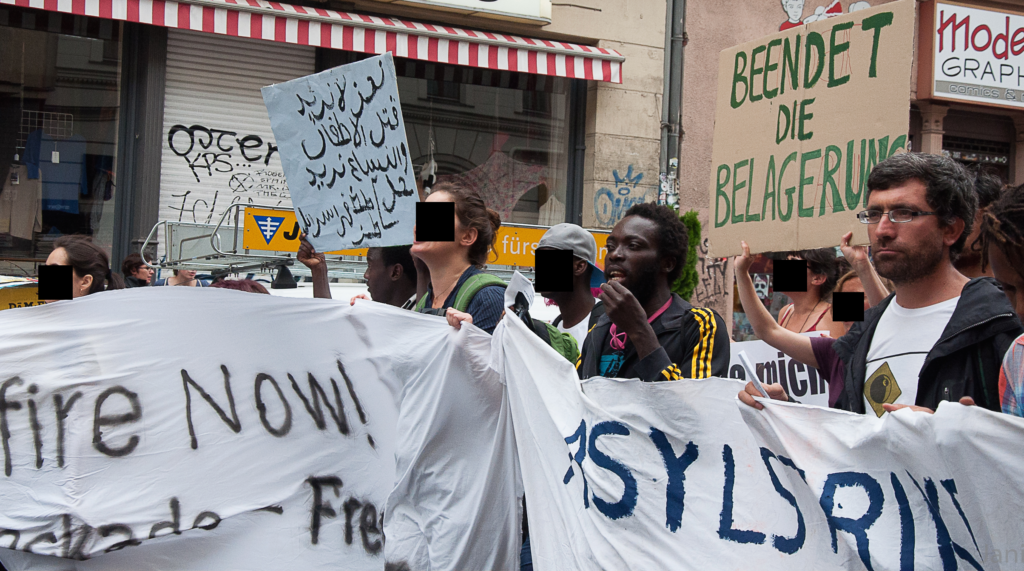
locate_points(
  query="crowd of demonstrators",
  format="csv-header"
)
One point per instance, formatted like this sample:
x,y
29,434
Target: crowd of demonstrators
x,y
941,336
90,266
1002,239
987,187
579,309
810,310
135,271
649,332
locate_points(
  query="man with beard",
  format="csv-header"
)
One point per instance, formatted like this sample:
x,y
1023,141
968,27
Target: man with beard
x,y
647,331
941,336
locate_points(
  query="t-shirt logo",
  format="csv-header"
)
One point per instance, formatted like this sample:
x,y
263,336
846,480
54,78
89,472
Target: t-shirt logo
x,y
610,364
881,388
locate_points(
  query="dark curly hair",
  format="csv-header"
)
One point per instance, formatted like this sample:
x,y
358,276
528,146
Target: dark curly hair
x,y
1002,226
673,241
822,261
950,189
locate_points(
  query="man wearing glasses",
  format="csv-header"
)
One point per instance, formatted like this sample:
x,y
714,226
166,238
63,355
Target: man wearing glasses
x,y
940,336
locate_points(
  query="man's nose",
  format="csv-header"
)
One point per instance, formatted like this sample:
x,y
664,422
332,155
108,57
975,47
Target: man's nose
x,y
886,227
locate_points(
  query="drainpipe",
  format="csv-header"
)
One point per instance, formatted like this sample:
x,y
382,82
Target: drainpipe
x,y
672,101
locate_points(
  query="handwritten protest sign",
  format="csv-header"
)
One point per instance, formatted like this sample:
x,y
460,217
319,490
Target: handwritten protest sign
x,y
801,382
802,118
343,147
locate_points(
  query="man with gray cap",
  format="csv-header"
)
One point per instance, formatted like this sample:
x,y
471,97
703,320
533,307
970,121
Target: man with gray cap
x,y
580,311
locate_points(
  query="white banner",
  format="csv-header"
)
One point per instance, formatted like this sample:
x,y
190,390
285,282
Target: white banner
x,y
623,474
140,431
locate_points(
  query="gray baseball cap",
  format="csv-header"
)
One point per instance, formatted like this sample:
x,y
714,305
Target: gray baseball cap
x,y
566,236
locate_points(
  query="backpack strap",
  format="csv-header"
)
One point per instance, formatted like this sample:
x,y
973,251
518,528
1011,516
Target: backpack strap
x,y
420,303
595,315
557,320
541,329
472,286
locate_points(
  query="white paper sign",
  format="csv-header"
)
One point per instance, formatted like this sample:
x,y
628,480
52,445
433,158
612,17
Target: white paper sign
x,y
342,143
801,382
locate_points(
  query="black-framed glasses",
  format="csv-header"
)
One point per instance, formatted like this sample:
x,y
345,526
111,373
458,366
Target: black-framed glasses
x,y
900,215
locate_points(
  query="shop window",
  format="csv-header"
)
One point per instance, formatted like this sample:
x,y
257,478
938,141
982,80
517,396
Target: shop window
x,y
994,154
504,133
59,110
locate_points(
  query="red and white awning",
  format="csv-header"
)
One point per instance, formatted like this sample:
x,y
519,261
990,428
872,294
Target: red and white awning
x,y
281,22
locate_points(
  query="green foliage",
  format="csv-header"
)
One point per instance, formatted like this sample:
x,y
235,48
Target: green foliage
x,y
687,282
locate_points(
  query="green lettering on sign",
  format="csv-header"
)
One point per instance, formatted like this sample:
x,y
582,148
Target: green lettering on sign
x,y
807,212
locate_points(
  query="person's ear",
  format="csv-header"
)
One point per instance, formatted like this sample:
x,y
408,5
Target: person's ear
x,y
395,272
817,279
86,283
952,233
579,267
469,236
667,265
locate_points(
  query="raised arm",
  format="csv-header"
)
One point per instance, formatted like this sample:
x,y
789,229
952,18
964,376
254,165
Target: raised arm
x,y
317,264
874,290
793,344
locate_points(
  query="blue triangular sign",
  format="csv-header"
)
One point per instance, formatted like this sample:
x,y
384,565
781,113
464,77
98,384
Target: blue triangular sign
x,y
268,226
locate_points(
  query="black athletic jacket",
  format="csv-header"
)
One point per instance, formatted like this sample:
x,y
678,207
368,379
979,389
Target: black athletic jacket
x,y
964,362
694,344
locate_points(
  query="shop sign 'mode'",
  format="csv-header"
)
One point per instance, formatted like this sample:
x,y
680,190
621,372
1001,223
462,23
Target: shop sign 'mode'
x,y
976,55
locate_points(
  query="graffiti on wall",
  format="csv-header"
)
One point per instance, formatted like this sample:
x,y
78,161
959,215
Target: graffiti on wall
x,y
712,289
611,205
233,167
794,10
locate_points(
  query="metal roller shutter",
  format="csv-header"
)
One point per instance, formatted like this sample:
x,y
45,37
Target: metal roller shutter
x,y
218,148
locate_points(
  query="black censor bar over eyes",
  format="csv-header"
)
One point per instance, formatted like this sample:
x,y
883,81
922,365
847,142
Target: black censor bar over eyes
x,y
55,282
848,306
435,221
553,270
789,275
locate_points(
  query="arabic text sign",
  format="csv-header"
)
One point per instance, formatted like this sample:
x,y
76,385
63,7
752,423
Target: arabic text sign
x,y
976,54
802,118
345,154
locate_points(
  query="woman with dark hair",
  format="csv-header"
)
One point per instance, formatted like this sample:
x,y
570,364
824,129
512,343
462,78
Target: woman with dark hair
x,y
185,278
135,271
810,310
454,265
90,265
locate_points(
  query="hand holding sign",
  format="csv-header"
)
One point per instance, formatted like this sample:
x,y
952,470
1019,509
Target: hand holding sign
x,y
345,155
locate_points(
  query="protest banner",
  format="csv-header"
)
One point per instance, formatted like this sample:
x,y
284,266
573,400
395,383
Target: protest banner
x,y
621,474
802,117
800,381
343,147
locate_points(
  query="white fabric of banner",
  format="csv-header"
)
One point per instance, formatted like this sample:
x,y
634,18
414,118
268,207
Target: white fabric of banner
x,y
274,475
621,474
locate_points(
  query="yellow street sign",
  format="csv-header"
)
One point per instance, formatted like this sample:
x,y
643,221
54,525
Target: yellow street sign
x,y
273,230
267,229
20,296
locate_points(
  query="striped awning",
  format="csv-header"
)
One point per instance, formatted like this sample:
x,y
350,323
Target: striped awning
x,y
281,22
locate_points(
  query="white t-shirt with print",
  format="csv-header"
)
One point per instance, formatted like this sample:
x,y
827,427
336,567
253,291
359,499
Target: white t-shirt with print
x,y
578,331
902,341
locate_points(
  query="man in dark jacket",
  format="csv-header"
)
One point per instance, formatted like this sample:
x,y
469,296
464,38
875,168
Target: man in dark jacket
x,y
941,336
648,332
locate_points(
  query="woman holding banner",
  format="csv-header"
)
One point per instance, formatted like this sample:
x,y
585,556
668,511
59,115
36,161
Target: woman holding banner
x,y
459,289
816,352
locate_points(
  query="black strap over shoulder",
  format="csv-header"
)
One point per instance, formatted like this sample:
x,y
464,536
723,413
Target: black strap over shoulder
x,y
595,314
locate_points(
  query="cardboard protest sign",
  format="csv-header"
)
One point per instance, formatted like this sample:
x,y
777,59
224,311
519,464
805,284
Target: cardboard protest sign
x,y
802,117
800,381
345,154
634,475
